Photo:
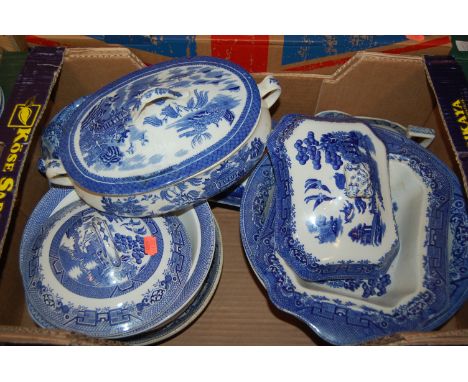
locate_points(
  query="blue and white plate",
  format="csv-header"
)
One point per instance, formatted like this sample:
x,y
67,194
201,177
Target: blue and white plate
x,y
198,222
183,320
335,218
93,273
428,281
196,307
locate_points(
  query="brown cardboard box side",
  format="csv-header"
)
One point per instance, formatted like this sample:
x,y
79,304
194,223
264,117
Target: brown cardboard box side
x,y
240,312
327,64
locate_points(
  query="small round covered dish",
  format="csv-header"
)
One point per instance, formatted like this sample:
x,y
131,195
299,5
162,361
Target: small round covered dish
x,y
167,136
334,210
102,275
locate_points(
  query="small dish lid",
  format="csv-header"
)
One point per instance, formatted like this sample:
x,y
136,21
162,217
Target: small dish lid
x,y
335,213
160,124
103,275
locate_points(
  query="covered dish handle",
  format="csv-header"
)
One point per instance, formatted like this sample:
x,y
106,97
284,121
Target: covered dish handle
x,y
57,174
150,96
270,90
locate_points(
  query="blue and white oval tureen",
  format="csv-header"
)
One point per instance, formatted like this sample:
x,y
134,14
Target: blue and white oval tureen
x,y
167,136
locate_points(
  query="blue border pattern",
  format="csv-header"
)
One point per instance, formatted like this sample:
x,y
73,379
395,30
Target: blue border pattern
x,y
339,323
138,184
194,310
196,307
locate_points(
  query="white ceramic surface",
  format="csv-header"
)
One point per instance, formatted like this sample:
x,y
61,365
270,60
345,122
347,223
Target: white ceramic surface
x,y
335,214
159,139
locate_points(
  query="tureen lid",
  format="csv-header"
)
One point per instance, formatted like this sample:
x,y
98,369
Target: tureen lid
x,y
103,275
334,208
159,125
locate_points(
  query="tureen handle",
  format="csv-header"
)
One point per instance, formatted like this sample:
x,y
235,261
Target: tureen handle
x,y
270,90
56,173
152,95
424,135
111,254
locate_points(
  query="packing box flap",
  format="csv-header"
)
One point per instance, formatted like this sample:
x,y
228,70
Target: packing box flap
x,y
22,113
451,89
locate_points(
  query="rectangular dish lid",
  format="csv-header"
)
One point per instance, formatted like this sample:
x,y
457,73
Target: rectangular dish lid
x,y
334,204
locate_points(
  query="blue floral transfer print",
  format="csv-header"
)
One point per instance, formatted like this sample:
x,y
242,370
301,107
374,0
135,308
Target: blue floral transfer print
x,y
112,123
104,129
190,191
327,230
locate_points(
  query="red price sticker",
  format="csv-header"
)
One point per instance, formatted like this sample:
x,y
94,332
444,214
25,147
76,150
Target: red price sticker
x,y
151,245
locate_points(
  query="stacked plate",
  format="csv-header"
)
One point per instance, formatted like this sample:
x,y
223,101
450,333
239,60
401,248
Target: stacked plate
x,y
349,276
128,248
90,272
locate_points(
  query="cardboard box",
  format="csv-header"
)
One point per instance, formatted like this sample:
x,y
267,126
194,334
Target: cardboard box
x,y
259,53
13,43
26,87
385,86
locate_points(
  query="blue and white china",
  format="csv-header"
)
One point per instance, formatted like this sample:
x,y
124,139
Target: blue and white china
x,y
95,273
167,136
334,211
424,135
199,225
233,196
50,163
183,320
196,307
2,101
428,279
